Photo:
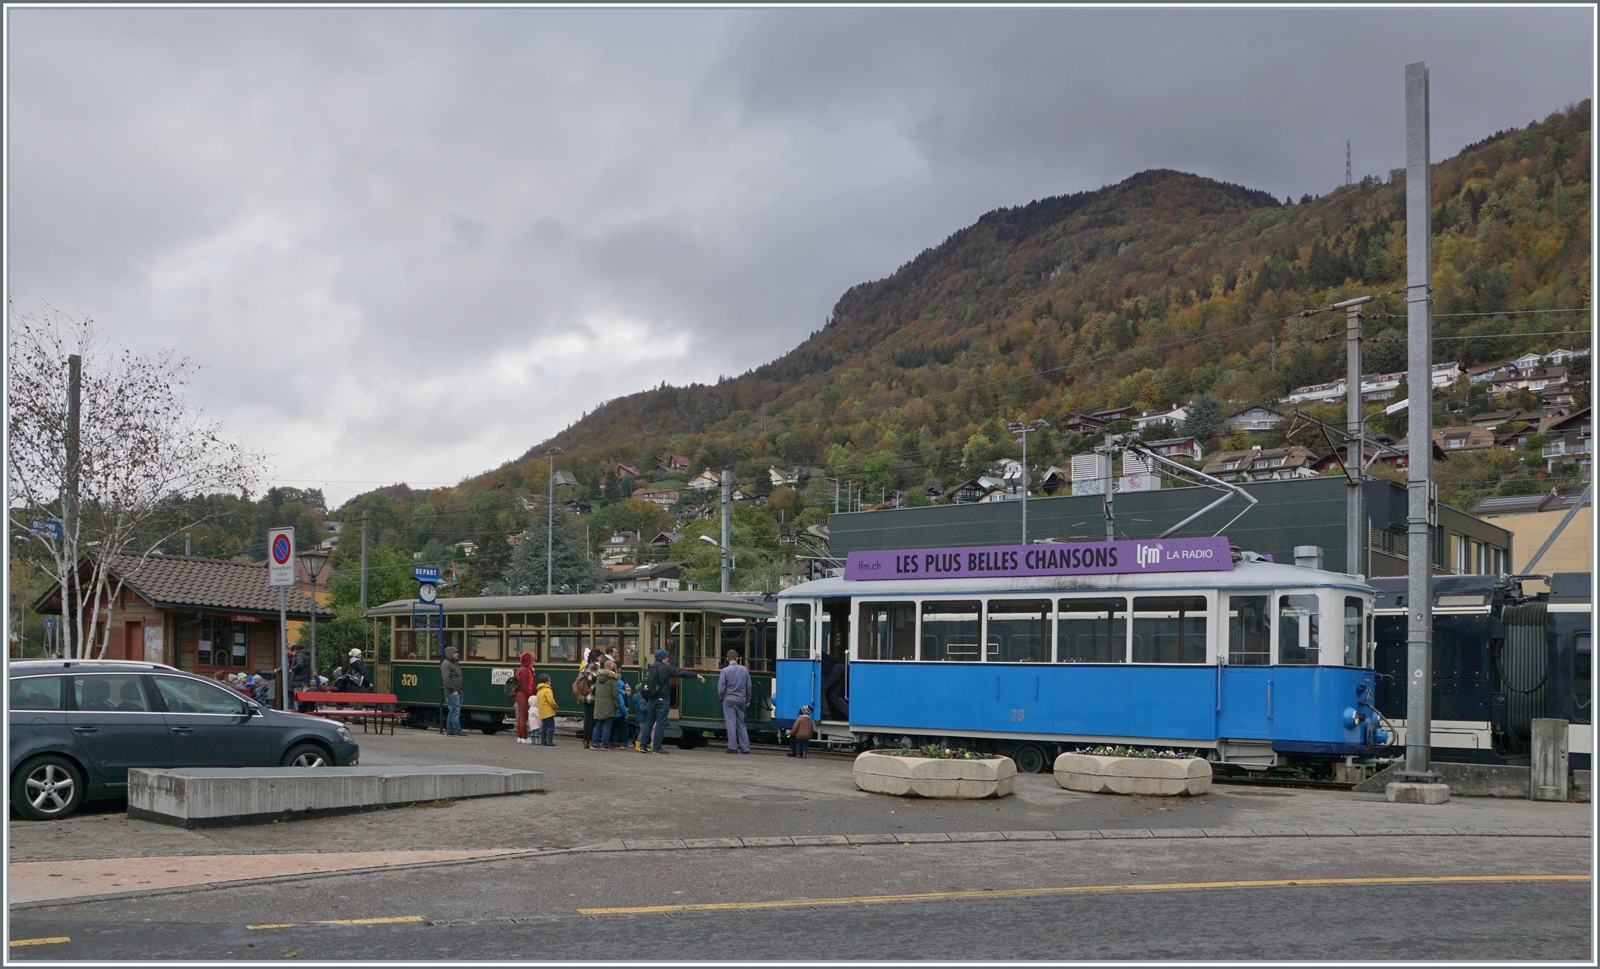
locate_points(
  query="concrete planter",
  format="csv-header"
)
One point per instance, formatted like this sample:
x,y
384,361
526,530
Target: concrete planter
x,y
1164,776
935,777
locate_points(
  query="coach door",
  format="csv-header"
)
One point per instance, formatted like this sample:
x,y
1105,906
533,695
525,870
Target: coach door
x,y
835,659
798,662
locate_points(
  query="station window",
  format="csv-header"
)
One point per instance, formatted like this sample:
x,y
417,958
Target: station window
x,y
526,643
1299,630
485,646
1169,629
1092,631
889,630
1249,630
1019,631
1354,655
950,631
799,631
220,644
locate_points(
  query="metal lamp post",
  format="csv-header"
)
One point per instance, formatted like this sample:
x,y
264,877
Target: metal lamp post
x,y
1017,427
727,554
313,559
550,526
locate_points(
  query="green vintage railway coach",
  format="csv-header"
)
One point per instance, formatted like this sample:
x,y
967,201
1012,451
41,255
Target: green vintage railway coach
x,y
695,628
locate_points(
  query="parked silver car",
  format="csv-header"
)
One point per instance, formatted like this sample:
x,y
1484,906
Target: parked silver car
x,y
78,725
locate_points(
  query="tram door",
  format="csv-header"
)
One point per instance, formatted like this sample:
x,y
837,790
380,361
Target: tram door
x,y
799,674
836,659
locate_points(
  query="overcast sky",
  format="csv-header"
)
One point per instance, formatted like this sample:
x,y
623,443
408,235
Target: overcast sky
x,y
407,245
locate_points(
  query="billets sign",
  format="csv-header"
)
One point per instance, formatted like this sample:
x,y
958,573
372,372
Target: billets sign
x,y
1006,561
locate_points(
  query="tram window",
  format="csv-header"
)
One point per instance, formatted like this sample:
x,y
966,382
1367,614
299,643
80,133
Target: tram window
x,y
526,643
1581,671
630,648
402,622
516,620
410,645
1249,630
452,639
1299,631
457,621
604,641
564,647
485,620
1169,629
1019,631
950,631
799,639
1353,653
484,646
888,630
1092,631
628,620
605,619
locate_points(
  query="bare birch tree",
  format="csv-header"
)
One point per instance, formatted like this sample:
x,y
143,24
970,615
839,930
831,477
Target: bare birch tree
x,y
138,443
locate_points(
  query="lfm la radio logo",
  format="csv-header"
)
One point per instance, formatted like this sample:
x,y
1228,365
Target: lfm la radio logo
x,y
1148,555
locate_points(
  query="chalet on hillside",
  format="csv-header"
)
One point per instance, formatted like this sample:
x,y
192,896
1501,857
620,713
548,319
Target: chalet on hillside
x,y
707,480
665,497
655,577
1177,447
1258,464
1469,438
1253,420
1575,444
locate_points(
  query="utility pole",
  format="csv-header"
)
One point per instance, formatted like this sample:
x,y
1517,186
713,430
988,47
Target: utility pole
x,y
1017,427
363,561
69,507
188,543
1421,783
550,526
1347,163
1355,526
1107,495
727,523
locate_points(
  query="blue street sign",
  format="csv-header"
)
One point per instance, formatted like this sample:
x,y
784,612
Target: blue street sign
x,y
49,622
41,526
426,573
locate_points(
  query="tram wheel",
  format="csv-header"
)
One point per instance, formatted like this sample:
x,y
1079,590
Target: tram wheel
x,y
1030,758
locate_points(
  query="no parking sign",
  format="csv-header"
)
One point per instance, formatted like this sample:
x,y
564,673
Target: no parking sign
x,y
280,556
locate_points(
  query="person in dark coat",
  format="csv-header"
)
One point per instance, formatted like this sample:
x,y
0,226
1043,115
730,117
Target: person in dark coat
x,y
835,681
450,682
656,688
355,672
300,675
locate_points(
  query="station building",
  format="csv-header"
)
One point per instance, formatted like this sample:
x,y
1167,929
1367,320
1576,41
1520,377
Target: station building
x,y
1289,513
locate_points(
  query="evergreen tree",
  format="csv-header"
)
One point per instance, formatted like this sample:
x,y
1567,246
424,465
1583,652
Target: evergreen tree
x,y
574,567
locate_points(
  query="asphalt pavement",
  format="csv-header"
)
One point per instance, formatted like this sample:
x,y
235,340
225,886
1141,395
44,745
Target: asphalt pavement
x,y
700,855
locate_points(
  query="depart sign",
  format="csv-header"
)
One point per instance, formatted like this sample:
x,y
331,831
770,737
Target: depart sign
x,y
1003,561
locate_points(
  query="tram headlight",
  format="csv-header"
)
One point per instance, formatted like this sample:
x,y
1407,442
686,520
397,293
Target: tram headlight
x,y
1353,718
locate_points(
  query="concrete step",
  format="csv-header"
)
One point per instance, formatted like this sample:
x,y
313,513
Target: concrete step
x,y
205,797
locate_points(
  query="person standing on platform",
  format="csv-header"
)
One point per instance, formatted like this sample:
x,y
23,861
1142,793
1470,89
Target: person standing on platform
x,y
605,705
546,698
524,694
300,675
803,730
657,690
733,689
450,682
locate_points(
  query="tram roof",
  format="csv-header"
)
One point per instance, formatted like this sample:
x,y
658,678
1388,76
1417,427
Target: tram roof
x,y
1244,575
726,605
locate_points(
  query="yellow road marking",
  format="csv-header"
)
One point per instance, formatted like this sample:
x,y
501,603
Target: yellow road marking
x,y
52,940
394,920
1074,890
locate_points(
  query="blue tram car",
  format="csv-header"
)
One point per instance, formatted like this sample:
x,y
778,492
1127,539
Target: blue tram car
x,y
1251,664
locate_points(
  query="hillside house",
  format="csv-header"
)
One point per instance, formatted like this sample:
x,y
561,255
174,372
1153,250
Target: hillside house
x,y
1562,357
790,477
206,616
626,470
673,463
972,489
654,577
665,497
1535,380
1258,464
707,480
1081,423
577,506
1053,480
1177,447
1469,438
1253,420
620,547
467,548
564,479
1176,416
1115,414
1575,444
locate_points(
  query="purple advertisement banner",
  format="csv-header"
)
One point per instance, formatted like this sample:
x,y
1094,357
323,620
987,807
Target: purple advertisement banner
x,y
1001,561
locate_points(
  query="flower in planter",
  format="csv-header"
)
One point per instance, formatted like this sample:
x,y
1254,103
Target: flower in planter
x,y
1122,751
936,752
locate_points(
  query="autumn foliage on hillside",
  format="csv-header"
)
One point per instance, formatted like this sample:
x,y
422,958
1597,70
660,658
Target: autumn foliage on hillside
x,y
1148,293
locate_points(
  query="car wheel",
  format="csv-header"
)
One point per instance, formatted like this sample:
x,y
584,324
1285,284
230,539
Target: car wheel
x,y
306,755
47,788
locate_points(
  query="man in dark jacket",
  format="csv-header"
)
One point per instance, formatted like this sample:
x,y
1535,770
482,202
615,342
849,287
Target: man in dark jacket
x,y
656,688
450,683
300,675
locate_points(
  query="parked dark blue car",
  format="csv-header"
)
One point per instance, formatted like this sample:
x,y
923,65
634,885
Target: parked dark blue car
x,y
78,725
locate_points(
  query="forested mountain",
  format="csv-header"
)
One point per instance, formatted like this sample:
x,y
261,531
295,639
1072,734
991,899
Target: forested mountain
x,y
1147,292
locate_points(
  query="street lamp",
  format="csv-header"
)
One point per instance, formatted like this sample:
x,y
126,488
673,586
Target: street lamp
x,y
732,562
313,559
1017,427
550,526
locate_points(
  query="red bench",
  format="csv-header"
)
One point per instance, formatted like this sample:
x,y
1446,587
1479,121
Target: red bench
x,y
364,707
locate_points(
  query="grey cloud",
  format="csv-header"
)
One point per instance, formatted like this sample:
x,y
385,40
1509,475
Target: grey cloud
x,y
461,229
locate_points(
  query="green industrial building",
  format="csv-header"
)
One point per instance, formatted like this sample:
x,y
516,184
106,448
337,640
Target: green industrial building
x,y
1288,514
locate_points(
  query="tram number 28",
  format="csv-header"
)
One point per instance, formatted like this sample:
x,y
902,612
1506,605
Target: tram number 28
x,y
408,679
1017,716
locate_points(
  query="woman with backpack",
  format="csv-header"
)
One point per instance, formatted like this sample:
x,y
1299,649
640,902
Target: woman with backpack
x,y
583,689
524,690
